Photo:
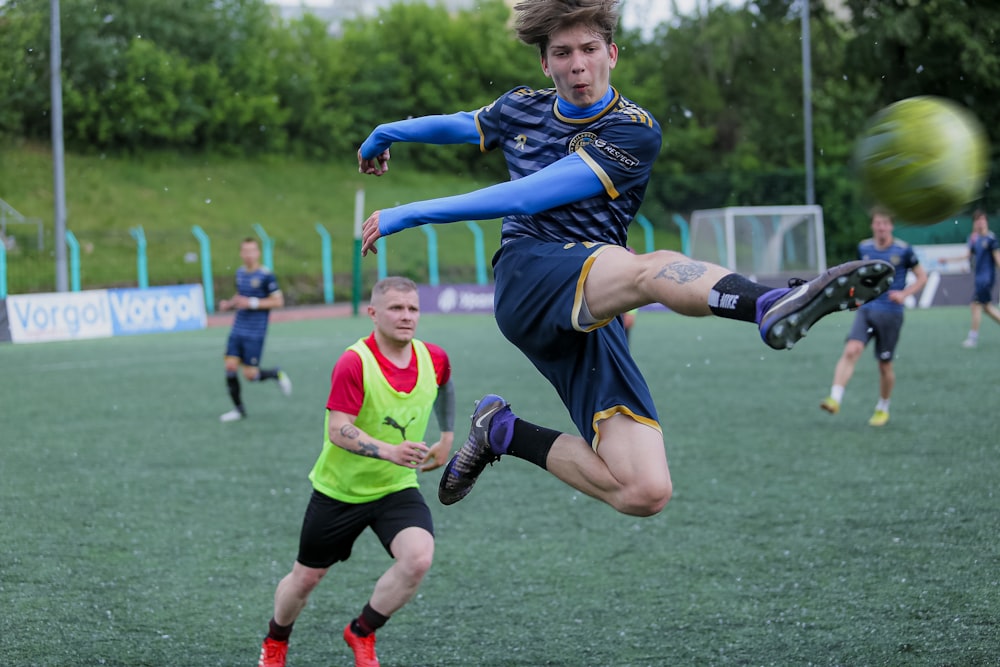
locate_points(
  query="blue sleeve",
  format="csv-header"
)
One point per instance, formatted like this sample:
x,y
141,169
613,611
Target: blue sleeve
x,y
456,128
563,182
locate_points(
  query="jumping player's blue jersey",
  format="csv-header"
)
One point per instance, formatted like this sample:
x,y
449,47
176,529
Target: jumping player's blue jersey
x,y
260,283
982,247
619,143
901,255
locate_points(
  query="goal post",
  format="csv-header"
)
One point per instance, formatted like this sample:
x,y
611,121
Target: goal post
x,y
757,241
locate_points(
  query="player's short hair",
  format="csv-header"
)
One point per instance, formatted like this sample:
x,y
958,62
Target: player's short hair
x,y
979,213
250,239
393,283
880,211
536,20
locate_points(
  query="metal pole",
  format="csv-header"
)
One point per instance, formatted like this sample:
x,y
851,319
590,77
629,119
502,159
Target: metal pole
x,y
58,167
807,104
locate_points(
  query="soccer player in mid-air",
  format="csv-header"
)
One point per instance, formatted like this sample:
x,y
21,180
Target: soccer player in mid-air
x,y
579,156
257,293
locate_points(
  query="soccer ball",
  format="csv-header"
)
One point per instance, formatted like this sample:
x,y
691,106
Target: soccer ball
x,y
923,158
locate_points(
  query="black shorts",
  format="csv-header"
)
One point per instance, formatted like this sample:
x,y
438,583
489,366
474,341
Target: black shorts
x,y
883,326
331,527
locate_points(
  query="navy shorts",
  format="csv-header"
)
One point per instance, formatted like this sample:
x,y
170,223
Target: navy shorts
x,y
248,349
882,325
331,527
982,292
539,292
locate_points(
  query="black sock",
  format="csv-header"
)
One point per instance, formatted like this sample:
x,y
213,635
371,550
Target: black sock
x,y
279,633
268,374
368,621
233,382
736,297
531,443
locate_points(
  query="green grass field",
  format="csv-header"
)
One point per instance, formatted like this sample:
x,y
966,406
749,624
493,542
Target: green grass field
x,y
139,531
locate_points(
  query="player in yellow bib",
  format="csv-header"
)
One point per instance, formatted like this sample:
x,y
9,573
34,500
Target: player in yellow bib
x,y
383,391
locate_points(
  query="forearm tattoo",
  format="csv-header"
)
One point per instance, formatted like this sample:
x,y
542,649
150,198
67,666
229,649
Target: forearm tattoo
x,y
364,448
682,271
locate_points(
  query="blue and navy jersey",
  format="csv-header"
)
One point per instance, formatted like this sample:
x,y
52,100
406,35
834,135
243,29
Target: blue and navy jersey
x,y
619,143
982,247
260,283
901,255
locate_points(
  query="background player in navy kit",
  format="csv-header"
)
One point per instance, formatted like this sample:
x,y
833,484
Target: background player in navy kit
x,y
881,319
984,253
257,293
579,157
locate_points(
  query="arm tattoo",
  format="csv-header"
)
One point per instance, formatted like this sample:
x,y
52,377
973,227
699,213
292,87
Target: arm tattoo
x,y
682,271
364,448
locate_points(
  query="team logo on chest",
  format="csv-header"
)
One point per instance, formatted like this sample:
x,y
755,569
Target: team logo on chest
x,y
581,140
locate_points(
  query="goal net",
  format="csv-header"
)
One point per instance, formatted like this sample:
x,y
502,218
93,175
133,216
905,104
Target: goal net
x,y
756,241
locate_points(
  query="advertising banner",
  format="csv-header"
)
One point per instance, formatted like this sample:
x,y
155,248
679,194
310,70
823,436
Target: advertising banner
x,y
157,309
456,299
4,328
37,318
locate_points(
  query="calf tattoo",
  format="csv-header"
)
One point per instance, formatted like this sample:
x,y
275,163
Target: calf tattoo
x,y
682,271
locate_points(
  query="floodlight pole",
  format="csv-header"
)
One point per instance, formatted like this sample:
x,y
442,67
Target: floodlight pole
x,y
807,104
58,167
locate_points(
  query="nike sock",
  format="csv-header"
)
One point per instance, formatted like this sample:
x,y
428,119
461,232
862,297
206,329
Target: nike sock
x,y
279,633
735,297
267,374
233,382
368,621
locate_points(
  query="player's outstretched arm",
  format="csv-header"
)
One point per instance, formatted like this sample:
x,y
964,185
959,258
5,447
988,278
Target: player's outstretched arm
x,y
456,128
563,182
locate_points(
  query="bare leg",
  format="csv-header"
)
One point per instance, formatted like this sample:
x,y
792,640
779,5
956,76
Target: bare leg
x,y
848,360
628,471
886,379
620,281
977,316
413,549
293,592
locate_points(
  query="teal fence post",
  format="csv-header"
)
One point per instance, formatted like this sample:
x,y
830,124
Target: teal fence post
x,y
685,228
647,228
206,268
380,254
480,250
327,263
140,255
432,254
3,269
267,246
74,261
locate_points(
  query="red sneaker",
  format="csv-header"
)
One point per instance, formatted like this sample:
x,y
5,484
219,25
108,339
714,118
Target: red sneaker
x,y
272,653
363,647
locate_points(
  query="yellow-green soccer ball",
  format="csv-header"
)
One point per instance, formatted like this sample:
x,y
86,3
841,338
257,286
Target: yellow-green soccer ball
x,y
923,158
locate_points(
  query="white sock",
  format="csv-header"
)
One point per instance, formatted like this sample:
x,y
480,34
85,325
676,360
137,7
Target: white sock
x,y
973,335
883,405
837,393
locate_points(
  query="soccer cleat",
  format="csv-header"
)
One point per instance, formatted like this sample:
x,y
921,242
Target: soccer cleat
x,y
285,383
969,343
465,466
363,647
272,653
830,405
880,418
233,415
846,286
